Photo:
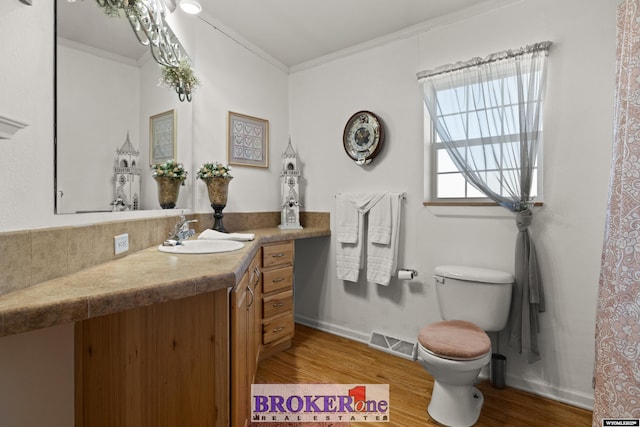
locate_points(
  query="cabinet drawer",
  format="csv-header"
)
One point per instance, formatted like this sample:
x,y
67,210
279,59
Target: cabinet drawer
x,y
278,254
277,304
277,328
276,280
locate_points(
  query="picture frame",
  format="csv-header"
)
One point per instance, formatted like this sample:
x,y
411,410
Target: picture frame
x,y
248,141
162,137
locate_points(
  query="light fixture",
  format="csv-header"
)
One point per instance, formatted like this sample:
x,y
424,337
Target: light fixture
x,y
147,21
191,7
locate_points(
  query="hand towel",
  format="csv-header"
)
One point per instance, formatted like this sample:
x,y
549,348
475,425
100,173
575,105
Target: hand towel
x,y
349,260
380,220
382,258
216,235
347,218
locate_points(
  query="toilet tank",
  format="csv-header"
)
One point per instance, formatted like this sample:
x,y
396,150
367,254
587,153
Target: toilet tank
x,y
478,295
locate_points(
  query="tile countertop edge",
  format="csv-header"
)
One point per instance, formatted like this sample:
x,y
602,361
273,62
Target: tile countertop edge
x,y
68,299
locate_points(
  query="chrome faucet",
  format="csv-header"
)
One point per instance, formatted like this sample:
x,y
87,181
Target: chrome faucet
x,y
180,232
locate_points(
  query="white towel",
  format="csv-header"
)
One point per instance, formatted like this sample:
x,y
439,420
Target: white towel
x,y
349,259
216,235
347,218
350,210
382,258
380,222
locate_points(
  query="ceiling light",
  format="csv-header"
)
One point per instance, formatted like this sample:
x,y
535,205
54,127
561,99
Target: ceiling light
x,y
191,6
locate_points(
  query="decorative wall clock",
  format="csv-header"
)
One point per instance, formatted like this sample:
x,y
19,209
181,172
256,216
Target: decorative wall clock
x,y
363,137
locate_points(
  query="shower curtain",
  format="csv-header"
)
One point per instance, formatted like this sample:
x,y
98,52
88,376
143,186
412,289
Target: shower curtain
x,y
617,367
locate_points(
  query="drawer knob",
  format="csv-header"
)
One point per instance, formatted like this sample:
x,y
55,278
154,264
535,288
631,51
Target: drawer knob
x,y
278,255
281,328
279,279
278,304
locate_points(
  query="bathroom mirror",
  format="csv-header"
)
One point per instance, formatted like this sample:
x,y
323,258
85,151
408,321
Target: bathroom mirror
x,y
106,92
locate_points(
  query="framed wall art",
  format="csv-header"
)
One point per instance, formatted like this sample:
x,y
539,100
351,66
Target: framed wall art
x,y
248,141
162,137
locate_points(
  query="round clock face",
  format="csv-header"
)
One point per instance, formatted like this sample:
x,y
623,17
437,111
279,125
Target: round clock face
x,y
363,137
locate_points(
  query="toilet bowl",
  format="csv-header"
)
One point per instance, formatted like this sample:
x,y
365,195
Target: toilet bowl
x,y
453,351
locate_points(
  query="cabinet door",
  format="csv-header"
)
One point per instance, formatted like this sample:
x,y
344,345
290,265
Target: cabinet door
x,y
246,335
240,392
160,365
255,315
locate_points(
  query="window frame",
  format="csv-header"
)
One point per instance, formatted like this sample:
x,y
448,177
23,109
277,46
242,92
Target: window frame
x,y
431,190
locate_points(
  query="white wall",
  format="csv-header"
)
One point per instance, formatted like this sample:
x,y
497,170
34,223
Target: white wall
x,y
36,378
26,49
235,79
568,229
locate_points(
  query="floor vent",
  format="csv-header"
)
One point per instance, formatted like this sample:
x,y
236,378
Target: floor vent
x,y
395,346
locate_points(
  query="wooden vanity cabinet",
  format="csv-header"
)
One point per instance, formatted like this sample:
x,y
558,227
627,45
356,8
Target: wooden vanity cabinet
x,y
245,344
261,321
165,364
190,361
277,297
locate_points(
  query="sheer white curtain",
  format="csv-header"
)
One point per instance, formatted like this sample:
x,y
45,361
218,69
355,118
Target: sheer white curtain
x,y
487,112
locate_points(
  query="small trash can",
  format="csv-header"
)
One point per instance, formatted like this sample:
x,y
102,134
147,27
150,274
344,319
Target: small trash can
x,y
498,370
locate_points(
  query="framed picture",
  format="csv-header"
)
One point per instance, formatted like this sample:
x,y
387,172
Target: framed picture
x,y
248,139
162,137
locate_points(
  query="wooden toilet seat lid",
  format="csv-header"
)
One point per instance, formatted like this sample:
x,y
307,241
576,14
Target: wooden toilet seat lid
x,y
455,339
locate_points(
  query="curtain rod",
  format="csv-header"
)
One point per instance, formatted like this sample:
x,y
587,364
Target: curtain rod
x,y
494,57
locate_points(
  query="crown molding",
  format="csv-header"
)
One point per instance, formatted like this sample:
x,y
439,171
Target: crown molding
x,y
478,9
9,126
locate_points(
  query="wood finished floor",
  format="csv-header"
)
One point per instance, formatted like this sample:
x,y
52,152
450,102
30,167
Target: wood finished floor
x,y
319,357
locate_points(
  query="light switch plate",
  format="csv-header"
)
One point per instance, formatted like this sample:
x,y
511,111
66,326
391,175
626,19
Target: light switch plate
x,y
121,243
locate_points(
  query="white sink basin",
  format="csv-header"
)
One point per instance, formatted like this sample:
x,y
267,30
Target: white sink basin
x,y
202,247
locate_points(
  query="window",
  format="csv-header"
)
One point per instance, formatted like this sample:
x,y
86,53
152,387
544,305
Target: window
x,y
468,123
485,118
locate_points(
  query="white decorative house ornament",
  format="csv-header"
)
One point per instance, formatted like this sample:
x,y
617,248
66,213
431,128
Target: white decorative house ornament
x,y
289,177
127,178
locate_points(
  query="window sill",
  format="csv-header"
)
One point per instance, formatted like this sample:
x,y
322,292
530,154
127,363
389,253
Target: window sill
x,y
489,210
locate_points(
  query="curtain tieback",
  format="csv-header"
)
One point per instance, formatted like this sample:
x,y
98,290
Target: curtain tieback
x,y
523,219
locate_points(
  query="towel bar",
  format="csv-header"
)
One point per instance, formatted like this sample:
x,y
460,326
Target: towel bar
x,y
403,195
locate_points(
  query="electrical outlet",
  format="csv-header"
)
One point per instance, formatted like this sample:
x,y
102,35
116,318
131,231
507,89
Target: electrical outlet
x,y
121,243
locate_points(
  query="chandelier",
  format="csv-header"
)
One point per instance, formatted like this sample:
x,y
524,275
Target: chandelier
x,y
147,21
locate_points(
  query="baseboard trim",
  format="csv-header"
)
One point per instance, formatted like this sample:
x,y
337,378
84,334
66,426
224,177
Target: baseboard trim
x,y
332,329
569,397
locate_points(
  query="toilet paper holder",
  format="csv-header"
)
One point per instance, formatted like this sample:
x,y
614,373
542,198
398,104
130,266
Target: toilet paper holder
x,y
407,273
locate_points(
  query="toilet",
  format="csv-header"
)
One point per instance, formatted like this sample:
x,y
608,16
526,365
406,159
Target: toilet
x,y
472,301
